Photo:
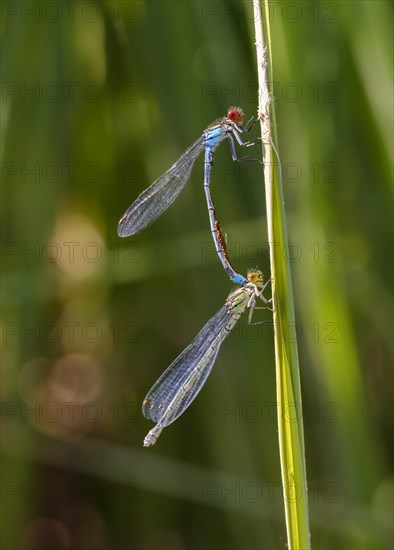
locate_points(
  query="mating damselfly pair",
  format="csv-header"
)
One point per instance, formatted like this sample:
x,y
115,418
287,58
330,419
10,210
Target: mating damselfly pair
x,y
181,382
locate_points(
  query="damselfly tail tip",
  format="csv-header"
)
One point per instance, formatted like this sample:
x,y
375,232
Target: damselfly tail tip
x,y
153,435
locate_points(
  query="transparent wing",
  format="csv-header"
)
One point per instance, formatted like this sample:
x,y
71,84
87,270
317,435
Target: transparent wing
x,y
176,388
152,202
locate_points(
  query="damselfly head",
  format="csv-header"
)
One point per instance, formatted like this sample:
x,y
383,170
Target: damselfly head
x,y
235,114
255,276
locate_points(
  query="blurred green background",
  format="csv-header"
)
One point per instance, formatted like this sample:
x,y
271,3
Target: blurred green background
x,y
98,99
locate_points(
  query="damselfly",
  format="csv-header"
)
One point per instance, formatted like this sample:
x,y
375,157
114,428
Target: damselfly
x,y
176,388
152,202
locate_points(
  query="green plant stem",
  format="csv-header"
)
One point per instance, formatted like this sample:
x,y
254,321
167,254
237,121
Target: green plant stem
x,y
290,426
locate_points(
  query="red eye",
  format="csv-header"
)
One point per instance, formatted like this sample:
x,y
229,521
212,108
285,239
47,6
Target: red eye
x,y
236,114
